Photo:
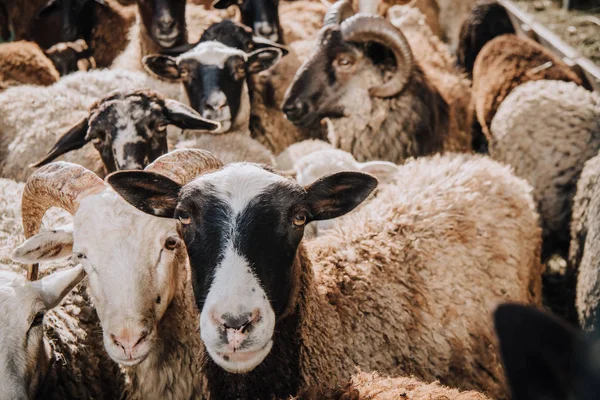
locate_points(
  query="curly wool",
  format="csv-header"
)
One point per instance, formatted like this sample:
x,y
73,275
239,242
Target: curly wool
x,y
505,63
584,252
231,147
546,130
25,63
373,386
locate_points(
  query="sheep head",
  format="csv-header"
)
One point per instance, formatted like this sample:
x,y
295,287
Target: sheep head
x,y
261,15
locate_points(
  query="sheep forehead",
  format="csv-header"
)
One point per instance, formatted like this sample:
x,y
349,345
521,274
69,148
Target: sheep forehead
x,y
238,183
108,226
212,53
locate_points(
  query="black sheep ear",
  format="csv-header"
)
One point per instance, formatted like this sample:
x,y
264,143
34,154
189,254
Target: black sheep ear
x,y
337,194
544,357
149,192
263,59
74,139
186,117
164,67
223,4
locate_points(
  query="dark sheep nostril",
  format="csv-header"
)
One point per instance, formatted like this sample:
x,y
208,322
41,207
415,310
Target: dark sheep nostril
x,y
297,110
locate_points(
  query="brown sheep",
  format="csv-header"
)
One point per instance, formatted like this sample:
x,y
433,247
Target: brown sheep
x,y
25,63
405,285
505,63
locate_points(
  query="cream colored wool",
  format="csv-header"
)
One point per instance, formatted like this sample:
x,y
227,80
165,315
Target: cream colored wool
x,y
230,147
546,130
406,284
372,386
81,368
301,20
287,159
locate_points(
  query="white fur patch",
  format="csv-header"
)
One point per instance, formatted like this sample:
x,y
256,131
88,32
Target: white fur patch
x,y
212,53
127,116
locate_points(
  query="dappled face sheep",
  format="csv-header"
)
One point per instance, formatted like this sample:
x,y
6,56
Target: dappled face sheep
x,y
261,15
129,130
214,79
24,355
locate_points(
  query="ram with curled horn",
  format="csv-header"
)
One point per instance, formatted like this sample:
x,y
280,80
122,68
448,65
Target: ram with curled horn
x,y
136,267
386,98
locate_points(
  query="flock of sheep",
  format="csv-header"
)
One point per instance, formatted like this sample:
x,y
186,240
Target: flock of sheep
x,y
293,200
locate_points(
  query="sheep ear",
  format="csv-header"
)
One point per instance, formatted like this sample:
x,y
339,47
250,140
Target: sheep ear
x,y
544,358
164,67
74,139
45,246
263,59
338,194
262,43
384,171
186,117
54,287
149,192
223,4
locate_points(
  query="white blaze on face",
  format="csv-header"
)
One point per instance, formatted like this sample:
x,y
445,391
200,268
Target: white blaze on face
x,y
266,30
127,116
235,292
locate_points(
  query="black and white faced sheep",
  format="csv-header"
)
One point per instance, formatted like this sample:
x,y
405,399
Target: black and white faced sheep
x,y
406,285
545,358
387,108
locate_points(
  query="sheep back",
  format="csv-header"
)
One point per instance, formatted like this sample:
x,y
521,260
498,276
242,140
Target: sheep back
x,y
410,280
231,147
546,130
505,63
25,63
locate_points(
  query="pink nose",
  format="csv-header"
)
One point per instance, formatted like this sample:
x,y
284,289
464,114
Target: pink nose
x,y
129,340
236,327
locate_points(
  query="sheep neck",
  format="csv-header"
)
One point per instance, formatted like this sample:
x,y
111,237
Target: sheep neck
x,y
173,369
278,375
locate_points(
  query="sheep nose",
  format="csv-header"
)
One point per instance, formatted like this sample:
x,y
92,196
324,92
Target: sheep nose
x,y
236,327
265,29
129,340
166,23
216,101
294,111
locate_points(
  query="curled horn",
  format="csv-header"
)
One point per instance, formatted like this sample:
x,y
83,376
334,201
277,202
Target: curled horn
x,y
366,28
60,184
338,12
184,165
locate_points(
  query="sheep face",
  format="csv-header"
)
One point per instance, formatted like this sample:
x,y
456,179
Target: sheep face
x,y
128,129
134,263
214,79
333,76
261,15
164,20
71,57
66,20
242,226
24,357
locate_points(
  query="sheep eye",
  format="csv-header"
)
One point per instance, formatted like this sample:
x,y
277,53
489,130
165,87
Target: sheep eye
x,y
250,46
96,140
344,61
299,219
170,243
183,73
38,319
185,218
158,299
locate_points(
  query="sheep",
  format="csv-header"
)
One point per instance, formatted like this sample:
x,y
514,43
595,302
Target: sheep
x,y
281,23
149,257
373,386
487,20
33,118
582,250
24,62
268,124
421,109
103,25
505,63
72,362
546,130
405,286
544,357
223,95
71,57
288,158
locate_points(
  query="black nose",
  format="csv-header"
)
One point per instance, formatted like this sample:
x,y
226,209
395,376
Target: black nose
x,y
239,322
296,110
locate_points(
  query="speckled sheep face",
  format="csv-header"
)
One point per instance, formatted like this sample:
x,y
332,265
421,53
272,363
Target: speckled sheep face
x,y
242,227
327,77
261,15
129,130
24,358
164,20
